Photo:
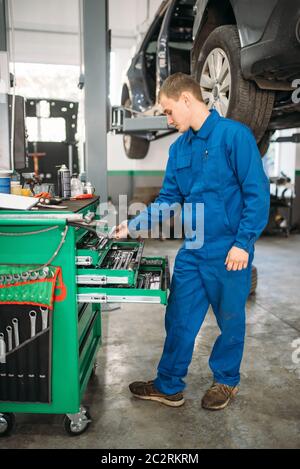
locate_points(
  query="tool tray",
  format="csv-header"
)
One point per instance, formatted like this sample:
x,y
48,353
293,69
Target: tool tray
x,y
156,292
117,263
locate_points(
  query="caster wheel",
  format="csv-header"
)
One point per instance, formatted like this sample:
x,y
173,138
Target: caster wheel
x,y
76,424
7,423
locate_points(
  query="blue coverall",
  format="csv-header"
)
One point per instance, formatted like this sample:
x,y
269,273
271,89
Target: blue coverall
x,y
220,166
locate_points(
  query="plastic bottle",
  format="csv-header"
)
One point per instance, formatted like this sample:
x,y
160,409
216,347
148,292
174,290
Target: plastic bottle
x,y
76,186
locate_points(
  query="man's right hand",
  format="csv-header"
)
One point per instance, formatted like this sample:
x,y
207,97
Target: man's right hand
x,y
122,230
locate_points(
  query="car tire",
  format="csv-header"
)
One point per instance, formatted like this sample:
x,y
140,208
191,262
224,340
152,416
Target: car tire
x,y
136,148
264,143
253,280
244,101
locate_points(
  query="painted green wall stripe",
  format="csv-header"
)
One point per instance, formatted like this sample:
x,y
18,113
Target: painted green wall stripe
x,y
135,173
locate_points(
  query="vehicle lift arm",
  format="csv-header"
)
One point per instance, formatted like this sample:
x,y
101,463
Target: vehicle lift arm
x,y
141,125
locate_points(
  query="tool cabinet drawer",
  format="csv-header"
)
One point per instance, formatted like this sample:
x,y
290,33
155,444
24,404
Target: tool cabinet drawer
x,y
89,339
152,285
85,314
117,264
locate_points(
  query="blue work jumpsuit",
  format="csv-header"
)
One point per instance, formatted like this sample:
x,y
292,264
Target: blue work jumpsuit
x,y
219,166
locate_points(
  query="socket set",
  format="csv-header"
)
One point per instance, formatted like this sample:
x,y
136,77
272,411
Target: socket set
x,y
25,338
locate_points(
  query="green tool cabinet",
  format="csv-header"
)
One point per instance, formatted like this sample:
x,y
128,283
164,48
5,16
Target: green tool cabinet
x,y
76,321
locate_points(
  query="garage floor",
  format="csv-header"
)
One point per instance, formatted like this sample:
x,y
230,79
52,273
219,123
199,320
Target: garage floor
x,y
266,413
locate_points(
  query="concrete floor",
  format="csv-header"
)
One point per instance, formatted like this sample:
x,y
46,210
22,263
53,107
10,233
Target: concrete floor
x,y
266,413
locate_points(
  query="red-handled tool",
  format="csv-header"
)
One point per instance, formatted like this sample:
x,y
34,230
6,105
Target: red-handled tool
x,y
82,197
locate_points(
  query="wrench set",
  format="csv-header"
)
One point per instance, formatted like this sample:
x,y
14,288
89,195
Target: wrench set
x,y
90,241
119,259
150,280
25,333
24,276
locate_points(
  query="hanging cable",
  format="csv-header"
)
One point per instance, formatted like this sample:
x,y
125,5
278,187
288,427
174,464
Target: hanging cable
x,y
81,51
64,235
28,233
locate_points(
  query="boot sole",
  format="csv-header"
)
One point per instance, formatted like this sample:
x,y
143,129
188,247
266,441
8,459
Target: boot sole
x,y
222,406
162,400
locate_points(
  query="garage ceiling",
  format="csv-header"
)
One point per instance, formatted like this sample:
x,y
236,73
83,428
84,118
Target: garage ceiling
x,y
47,32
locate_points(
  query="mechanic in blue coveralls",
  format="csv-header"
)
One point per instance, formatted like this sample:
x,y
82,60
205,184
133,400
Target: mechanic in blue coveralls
x,y
215,163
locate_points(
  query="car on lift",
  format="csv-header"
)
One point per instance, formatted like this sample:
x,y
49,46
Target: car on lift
x,y
245,55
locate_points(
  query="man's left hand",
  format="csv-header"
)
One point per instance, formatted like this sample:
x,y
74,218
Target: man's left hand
x,y
237,259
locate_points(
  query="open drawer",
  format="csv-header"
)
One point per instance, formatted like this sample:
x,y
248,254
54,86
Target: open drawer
x,y
151,286
117,264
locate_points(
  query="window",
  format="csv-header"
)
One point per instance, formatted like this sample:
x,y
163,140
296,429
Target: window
x,y
46,130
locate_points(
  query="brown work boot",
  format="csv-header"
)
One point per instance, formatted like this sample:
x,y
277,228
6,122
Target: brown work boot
x,y
147,391
218,396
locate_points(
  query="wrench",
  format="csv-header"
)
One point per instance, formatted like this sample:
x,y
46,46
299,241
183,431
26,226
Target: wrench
x,y
24,275
123,257
2,349
9,278
15,323
34,275
147,281
44,312
130,255
9,335
32,316
42,274
117,260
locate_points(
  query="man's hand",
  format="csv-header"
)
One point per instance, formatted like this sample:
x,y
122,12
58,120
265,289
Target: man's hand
x,y
122,230
237,259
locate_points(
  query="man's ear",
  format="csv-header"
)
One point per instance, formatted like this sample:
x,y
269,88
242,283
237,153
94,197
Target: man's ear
x,y
185,96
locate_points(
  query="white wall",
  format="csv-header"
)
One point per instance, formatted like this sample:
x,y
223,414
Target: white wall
x,y
155,160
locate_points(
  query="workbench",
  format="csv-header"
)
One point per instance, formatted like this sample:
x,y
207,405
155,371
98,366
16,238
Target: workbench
x,y
92,274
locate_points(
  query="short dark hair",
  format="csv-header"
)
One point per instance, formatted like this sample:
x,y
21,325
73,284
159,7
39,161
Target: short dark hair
x,y
177,83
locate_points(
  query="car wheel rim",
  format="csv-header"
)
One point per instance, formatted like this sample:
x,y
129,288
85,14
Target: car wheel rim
x,y
215,81
3,424
127,142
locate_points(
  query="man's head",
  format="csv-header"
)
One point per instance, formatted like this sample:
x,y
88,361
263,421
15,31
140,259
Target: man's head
x,y
180,96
